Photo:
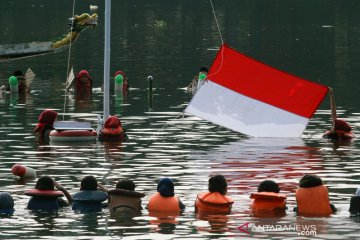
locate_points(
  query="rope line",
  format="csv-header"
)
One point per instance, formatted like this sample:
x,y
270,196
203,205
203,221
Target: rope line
x,y
221,64
69,55
222,40
217,23
169,122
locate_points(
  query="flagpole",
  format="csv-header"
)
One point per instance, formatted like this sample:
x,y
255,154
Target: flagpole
x,y
107,59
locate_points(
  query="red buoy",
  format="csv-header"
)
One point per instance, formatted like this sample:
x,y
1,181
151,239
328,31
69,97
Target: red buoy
x,y
23,171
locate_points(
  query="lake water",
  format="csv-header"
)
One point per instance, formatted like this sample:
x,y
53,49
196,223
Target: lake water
x,y
317,40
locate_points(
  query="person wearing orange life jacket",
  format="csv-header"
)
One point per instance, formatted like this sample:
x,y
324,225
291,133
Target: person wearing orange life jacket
x,y
45,125
215,200
340,130
313,197
268,201
164,200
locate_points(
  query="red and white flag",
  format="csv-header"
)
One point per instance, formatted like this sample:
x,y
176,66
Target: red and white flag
x,y
250,97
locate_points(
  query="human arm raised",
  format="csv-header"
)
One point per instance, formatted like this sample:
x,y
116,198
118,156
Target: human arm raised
x,y
66,193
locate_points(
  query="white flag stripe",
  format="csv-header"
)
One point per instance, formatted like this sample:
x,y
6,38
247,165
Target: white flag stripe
x,y
240,113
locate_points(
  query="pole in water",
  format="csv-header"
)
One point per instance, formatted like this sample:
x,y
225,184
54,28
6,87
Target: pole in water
x,y
150,80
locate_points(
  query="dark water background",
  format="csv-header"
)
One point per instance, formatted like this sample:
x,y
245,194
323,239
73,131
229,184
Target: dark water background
x,y
317,40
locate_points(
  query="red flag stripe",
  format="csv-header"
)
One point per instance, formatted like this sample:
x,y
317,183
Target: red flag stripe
x,y
244,75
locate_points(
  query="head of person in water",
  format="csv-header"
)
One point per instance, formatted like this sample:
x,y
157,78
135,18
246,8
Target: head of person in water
x,y
204,70
268,186
83,79
310,180
218,183
19,75
166,187
88,183
6,203
126,184
45,183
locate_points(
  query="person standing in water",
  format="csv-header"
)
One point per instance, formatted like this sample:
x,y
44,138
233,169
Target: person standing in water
x,y
340,130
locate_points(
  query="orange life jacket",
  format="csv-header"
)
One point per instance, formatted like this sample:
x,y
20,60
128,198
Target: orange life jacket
x,y
213,202
163,204
268,201
313,201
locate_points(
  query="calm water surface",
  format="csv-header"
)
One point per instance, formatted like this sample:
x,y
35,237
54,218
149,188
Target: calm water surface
x,y
170,40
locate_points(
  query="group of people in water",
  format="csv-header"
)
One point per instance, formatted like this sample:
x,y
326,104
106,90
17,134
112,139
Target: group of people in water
x,y
312,198
19,78
83,82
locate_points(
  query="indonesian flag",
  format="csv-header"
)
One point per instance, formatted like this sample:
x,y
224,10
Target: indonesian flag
x,y
250,97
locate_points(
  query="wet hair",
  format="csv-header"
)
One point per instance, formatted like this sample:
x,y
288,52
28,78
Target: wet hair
x,y
166,187
45,183
126,184
203,69
218,183
268,186
309,180
88,183
6,201
18,74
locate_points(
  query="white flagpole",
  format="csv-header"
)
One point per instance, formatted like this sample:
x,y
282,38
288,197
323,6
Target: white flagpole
x,y
107,59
